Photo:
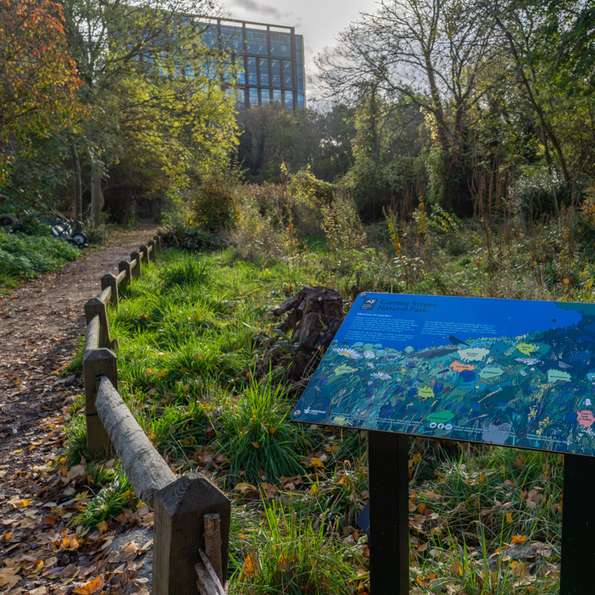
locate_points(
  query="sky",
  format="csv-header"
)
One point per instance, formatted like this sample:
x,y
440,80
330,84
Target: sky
x,y
319,21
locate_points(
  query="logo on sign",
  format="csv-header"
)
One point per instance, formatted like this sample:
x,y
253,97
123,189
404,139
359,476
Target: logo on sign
x,y
369,303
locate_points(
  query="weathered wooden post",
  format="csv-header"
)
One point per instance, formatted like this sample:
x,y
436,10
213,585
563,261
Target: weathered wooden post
x,y
110,281
95,307
136,269
143,254
156,245
97,363
180,511
124,265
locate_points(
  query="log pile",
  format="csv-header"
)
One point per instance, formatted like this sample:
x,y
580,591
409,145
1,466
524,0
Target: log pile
x,y
311,319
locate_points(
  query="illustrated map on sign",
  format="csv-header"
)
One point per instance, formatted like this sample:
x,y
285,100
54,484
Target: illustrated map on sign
x,y
509,372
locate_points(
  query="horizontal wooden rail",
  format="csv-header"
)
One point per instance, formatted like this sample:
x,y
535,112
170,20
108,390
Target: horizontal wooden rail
x,y
93,332
105,296
147,471
121,276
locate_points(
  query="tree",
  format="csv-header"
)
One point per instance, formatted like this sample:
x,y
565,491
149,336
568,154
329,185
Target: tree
x,y
431,52
39,78
388,149
549,47
149,96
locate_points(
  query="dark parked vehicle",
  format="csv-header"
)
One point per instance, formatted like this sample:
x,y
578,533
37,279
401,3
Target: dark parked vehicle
x,y
61,227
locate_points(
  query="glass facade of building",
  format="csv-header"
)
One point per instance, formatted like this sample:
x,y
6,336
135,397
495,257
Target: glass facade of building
x,y
266,60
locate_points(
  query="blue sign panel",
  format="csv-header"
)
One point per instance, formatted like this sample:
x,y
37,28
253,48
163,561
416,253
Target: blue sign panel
x,y
508,372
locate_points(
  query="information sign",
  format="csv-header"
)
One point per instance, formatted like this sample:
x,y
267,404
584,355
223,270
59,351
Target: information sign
x,y
497,371
507,372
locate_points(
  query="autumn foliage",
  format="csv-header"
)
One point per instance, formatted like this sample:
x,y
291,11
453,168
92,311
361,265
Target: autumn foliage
x,y
39,78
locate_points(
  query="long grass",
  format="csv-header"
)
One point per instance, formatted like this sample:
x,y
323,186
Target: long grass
x,y
187,352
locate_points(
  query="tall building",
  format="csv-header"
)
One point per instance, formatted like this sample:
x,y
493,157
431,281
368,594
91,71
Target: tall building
x,y
269,60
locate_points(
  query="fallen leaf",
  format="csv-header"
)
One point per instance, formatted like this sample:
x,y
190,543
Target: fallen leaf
x,y
245,488
249,568
316,463
8,578
69,542
519,539
102,526
89,588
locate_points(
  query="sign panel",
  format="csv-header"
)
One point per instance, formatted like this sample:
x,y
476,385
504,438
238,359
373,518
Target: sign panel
x,y
495,371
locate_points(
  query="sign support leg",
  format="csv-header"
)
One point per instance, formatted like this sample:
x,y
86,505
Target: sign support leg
x,y
578,526
388,483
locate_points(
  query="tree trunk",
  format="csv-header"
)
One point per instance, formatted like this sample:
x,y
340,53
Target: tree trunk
x,y
77,198
97,200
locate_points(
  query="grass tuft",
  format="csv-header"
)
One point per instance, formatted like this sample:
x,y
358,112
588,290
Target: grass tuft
x,y
257,437
109,501
294,557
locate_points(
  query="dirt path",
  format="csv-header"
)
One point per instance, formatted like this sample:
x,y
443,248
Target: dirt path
x,y
40,328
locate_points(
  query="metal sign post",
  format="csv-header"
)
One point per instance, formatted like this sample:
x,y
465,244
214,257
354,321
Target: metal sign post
x,y
388,481
578,526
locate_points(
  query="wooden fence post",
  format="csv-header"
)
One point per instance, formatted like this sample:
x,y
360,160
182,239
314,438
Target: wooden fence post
x,y
95,307
97,363
180,510
156,246
144,254
110,280
124,265
136,271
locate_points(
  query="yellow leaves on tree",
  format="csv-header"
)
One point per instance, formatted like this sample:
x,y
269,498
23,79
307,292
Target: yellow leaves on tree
x,y
39,78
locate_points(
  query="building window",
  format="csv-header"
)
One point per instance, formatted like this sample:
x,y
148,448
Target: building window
x,y
263,65
257,42
264,96
253,93
232,39
287,78
276,64
281,45
241,71
289,100
252,73
277,96
301,100
209,36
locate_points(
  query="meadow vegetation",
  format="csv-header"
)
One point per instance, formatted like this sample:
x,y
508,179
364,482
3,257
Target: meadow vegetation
x,y
190,338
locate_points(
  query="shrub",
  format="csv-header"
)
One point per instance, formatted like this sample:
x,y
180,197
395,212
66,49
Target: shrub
x,y
193,239
294,557
23,256
257,436
341,224
214,208
305,187
258,236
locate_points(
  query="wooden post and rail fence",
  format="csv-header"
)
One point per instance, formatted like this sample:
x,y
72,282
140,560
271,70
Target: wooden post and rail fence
x,y
192,516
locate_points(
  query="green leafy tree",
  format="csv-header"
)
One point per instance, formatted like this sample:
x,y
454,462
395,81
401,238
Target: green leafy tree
x,y
153,108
